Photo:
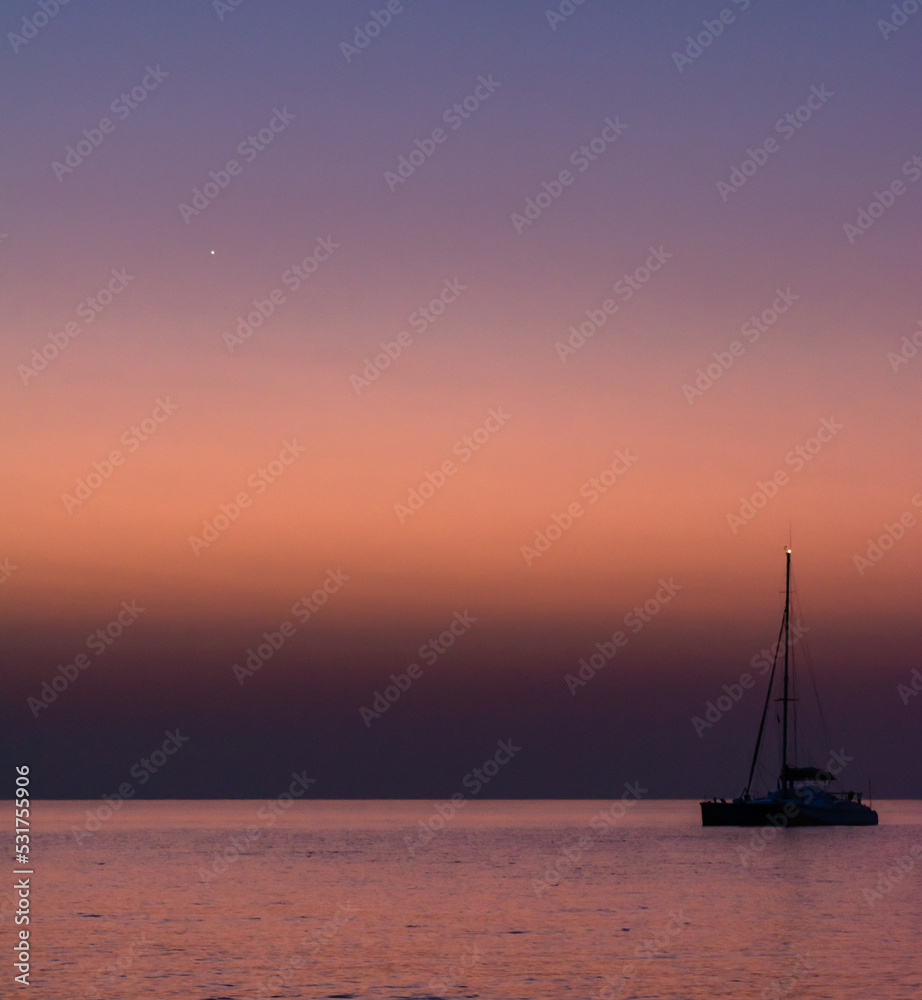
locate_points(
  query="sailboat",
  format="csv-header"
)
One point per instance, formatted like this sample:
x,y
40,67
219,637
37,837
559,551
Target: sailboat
x,y
802,796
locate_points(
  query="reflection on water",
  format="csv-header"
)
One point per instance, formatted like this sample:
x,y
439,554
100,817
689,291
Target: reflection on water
x,y
522,899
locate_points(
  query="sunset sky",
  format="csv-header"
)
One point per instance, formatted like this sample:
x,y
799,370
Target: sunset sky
x,y
482,315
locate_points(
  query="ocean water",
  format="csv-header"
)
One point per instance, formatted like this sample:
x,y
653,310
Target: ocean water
x,y
514,899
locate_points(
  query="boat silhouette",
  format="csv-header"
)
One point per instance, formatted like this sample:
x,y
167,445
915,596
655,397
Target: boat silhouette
x,y
802,796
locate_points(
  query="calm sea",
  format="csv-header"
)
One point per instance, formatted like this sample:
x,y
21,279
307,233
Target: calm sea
x,y
524,899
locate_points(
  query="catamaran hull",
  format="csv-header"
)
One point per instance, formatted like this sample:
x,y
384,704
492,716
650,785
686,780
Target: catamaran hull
x,y
783,814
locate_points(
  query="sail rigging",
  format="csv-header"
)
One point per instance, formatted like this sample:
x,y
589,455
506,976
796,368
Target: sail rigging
x,y
800,797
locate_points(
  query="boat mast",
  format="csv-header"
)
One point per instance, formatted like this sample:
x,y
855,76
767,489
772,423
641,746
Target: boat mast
x,y
785,783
